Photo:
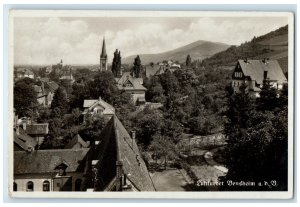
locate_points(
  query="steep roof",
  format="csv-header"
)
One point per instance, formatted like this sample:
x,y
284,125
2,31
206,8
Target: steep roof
x,y
136,82
103,51
45,161
127,152
108,109
255,70
34,129
77,142
24,141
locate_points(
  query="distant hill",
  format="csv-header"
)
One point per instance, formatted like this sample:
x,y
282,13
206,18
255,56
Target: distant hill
x,y
273,45
197,50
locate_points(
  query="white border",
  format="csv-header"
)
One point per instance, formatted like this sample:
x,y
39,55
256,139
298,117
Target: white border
x,y
172,195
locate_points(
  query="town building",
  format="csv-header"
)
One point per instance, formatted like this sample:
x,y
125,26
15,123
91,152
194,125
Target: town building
x,y
111,163
23,73
103,57
77,142
45,92
50,170
117,164
97,108
133,86
254,72
66,75
160,68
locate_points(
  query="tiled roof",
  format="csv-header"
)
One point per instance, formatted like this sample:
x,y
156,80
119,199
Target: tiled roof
x,y
23,140
135,82
255,70
35,129
45,161
77,142
108,109
116,139
52,86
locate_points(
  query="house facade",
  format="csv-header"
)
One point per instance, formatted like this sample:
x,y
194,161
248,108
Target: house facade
x,y
97,108
133,86
253,73
50,170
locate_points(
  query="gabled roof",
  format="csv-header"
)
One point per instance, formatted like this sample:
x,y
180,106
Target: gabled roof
x,y
136,82
45,161
77,142
24,141
115,138
37,129
90,104
255,70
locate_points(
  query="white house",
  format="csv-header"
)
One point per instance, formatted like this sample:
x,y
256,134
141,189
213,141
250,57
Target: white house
x,y
97,108
254,72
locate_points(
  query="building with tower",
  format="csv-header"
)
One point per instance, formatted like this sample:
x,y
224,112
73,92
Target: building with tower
x,y
103,57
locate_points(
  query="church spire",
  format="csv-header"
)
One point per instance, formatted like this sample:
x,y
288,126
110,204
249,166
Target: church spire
x,y
103,57
103,52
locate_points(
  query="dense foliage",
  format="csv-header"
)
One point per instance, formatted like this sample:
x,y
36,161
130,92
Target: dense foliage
x,y
257,139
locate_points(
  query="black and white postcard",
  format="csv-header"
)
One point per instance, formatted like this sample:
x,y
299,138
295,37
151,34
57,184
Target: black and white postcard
x,y
151,104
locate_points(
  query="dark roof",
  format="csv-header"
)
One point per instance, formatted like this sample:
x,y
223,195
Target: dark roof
x,y
77,142
255,70
45,161
24,141
52,86
127,152
34,129
103,51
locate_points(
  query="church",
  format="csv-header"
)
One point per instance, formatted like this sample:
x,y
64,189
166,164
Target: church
x,y
103,57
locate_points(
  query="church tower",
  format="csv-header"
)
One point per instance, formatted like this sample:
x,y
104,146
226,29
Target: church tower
x,y
103,57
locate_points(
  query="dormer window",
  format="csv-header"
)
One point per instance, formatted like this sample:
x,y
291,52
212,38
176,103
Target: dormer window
x,y
61,169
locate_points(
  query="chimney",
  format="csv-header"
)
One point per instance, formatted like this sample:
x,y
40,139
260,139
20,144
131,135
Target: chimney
x,y
246,60
119,166
133,132
99,98
24,125
265,74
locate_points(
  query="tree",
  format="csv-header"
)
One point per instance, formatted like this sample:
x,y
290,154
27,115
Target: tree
x,y
155,91
116,64
268,99
149,122
137,66
188,61
25,98
60,101
163,147
103,86
257,142
54,76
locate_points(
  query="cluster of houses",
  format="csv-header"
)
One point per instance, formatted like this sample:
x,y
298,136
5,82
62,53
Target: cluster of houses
x,y
112,162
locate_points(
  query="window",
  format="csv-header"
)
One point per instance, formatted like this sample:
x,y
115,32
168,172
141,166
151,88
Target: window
x,y
46,185
77,184
15,188
29,186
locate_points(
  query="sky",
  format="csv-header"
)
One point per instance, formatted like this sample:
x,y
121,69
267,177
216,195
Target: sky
x,y
78,40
